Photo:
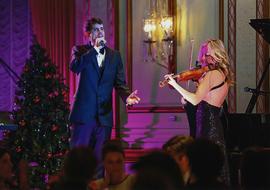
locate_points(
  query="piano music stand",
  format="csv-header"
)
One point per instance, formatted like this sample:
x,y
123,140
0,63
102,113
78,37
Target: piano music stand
x,y
262,26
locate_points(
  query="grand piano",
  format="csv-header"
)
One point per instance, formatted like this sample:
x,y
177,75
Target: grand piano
x,y
251,129
248,129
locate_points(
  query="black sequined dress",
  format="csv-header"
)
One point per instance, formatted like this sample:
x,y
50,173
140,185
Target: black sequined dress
x,y
208,125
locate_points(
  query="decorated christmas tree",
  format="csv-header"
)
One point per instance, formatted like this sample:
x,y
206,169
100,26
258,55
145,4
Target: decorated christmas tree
x,y
41,112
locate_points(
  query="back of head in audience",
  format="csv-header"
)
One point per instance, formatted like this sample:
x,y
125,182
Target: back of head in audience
x,y
110,146
79,169
80,164
206,160
176,147
255,168
158,171
114,160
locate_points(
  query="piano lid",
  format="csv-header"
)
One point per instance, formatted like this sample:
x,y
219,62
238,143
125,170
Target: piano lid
x,y
262,26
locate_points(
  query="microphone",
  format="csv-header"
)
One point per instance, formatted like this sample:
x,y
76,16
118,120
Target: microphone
x,y
255,91
102,43
252,90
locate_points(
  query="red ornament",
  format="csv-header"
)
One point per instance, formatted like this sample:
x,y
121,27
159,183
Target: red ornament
x,y
18,149
36,99
59,154
56,93
49,155
51,95
48,76
46,64
54,127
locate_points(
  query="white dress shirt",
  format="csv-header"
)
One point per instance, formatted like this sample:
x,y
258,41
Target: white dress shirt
x,y
100,57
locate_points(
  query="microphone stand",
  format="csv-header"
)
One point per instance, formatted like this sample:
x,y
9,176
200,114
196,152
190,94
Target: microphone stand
x,y
255,95
9,71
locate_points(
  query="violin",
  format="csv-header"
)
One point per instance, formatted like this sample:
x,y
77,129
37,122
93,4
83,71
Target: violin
x,y
192,74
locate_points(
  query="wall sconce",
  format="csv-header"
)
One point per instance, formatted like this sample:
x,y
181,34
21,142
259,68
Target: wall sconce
x,y
163,35
168,38
149,28
167,25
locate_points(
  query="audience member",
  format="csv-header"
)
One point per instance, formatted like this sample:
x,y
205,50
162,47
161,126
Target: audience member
x,y
114,163
206,161
255,169
79,169
157,171
176,147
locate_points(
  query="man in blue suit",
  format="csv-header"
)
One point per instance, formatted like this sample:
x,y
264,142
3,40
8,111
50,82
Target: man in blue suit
x,y
100,70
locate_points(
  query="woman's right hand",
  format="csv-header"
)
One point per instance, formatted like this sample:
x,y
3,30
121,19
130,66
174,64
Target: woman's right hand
x,y
170,79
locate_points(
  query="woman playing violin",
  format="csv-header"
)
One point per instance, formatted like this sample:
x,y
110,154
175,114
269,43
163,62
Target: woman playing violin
x,y
211,92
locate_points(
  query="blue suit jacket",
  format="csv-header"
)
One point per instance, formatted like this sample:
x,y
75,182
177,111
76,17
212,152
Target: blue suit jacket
x,y
93,98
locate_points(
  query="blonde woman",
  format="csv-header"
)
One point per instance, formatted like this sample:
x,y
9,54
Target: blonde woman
x,y
211,92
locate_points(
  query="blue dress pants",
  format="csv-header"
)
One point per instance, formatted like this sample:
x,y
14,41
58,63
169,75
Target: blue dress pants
x,y
93,135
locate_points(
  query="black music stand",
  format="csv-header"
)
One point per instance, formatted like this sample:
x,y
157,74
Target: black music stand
x,y
262,26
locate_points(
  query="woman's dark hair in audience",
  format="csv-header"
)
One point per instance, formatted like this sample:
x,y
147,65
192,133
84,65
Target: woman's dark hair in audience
x,y
177,144
255,168
206,159
158,171
79,168
80,164
114,145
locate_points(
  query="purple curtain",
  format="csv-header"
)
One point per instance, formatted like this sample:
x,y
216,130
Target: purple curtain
x,y
15,40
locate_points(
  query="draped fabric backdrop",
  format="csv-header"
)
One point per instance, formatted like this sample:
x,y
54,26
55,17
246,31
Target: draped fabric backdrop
x,y
54,27
15,40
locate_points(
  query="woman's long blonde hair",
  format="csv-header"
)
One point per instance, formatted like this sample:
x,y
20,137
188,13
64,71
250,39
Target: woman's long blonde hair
x,y
219,53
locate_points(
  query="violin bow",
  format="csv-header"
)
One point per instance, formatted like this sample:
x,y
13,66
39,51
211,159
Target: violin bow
x,y
190,58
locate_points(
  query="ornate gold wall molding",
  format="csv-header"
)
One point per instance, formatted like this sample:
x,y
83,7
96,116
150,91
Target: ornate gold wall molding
x,y
232,52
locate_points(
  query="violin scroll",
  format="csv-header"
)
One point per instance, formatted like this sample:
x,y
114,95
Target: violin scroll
x,y
165,82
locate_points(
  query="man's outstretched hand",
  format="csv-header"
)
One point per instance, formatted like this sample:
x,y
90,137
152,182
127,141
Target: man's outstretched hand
x,y
132,98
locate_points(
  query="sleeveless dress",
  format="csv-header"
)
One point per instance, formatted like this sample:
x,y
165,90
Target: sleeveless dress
x,y
209,126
